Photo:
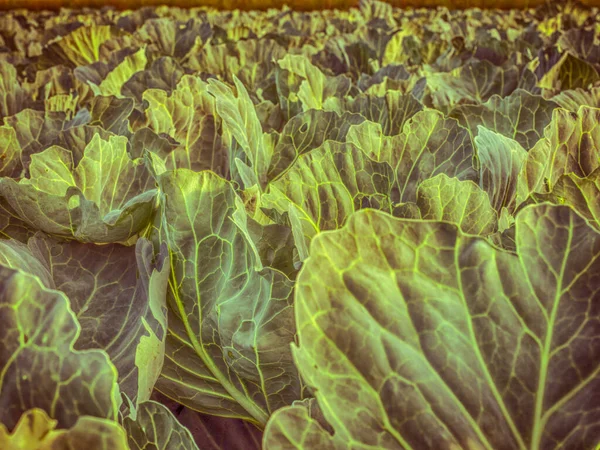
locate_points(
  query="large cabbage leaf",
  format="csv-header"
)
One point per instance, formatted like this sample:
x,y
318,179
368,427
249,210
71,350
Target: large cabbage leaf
x,y
118,296
39,365
441,337
230,324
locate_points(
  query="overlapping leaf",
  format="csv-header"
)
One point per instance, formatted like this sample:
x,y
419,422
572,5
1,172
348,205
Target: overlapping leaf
x,y
325,186
501,160
429,144
188,115
452,200
241,127
105,197
306,132
230,141
520,116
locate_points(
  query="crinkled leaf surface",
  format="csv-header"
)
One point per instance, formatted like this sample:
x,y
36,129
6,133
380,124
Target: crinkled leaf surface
x,y
429,144
574,140
443,339
391,111
230,326
476,82
80,47
36,131
582,194
574,98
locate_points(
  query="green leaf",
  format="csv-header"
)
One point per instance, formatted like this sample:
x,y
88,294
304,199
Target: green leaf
x,y
391,111
13,97
580,42
445,340
156,427
310,90
35,131
11,226
575,98
430,144
475,82
460,202
571,145
188,115
10,153
501,160
78,48
308,131
39,366
569,72
174,37
582,194
36,431
162,73
112,113
106,197
303,82
16,255
240,122
532,177
113,82
118,296
325,186
574,143
292,427
520,116
230,326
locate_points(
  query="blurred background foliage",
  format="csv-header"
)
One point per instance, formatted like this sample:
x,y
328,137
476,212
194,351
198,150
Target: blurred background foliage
x,y
265,4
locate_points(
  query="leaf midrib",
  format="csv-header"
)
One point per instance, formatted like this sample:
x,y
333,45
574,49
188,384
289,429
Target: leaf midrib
x,y
536,434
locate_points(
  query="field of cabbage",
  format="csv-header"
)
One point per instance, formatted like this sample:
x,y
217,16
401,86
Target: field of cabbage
x,y
376,228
